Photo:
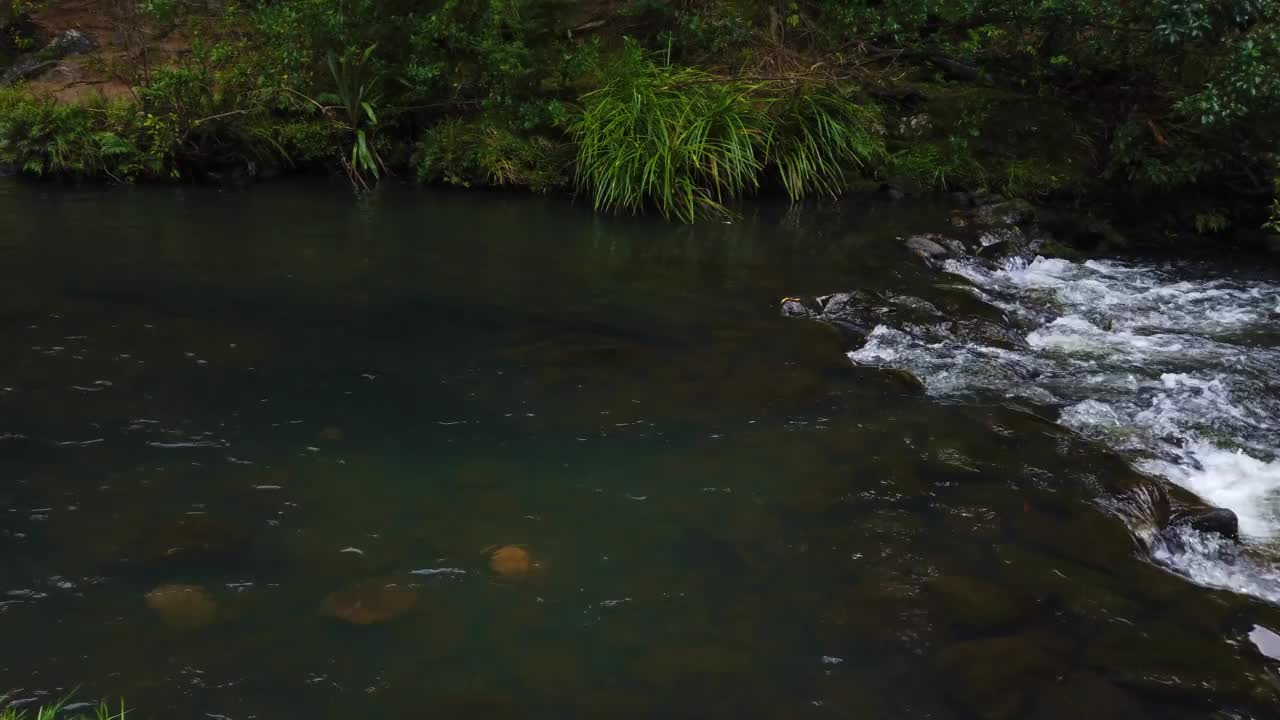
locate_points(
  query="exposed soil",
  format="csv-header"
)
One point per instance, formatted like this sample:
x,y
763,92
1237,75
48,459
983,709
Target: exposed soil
x,y
123,41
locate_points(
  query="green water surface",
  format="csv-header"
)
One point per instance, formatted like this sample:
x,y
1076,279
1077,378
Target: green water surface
x,y
288,397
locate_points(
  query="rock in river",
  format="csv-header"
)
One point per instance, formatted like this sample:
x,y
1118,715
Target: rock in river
x,y
1217,521
371,601
511,562
183,606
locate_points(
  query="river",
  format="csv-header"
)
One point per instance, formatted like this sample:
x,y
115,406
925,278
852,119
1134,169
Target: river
x,y
285,453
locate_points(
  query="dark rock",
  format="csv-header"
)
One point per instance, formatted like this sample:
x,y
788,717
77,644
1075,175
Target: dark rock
x,y
1005,242
983,332
892,193
71,42
994,679
1085,695
972,604
1217,521
928,247
1009,212
980,197
1273,244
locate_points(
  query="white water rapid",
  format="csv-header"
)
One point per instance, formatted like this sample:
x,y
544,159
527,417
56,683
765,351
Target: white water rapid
x,y
1179,370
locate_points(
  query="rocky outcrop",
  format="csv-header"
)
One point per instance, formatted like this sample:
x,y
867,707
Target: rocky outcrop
x,y
32,65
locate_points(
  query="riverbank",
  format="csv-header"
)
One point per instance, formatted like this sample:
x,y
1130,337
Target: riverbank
x,y
642,106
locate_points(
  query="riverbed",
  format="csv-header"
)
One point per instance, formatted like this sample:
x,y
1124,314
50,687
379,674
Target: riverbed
x,y
289,453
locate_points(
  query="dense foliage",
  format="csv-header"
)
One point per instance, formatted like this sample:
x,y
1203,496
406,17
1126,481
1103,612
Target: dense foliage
x,y
706,101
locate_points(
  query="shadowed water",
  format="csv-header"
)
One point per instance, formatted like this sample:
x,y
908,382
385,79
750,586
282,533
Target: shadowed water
x,y
297,408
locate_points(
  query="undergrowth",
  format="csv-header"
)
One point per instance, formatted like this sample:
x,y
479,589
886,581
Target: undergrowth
x,y
472,153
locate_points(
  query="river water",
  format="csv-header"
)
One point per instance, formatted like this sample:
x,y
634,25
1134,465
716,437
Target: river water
x,y
288,454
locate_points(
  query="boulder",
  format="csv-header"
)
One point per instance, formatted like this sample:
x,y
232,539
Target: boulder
x,y
929,247
1216,521
1009,212
71,42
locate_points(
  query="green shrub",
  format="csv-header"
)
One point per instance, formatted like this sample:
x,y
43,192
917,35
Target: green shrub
x,y
44,138
466,154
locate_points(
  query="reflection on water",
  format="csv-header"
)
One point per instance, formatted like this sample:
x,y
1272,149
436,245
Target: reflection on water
x,y
284,454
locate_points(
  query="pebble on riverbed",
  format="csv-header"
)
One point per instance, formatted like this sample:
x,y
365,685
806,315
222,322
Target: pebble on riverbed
x,y
183,606
512,562
371,601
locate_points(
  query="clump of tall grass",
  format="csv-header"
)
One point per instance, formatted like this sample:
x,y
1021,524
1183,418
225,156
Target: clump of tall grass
x,y
819,138
672,137
686,142
102,711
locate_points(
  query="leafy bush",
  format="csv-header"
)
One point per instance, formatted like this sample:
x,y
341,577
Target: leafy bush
x,y
466,154
44,138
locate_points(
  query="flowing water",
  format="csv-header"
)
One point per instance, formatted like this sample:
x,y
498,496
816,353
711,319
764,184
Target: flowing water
x,y
1177,367
288,454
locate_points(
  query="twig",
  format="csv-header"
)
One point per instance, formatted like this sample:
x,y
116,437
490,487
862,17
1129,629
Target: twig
x,y
219,116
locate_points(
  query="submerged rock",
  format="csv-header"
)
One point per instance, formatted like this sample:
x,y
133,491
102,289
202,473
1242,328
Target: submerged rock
x,y
197,540
511,562
1086,695
371,601
974,604
183,606
995,678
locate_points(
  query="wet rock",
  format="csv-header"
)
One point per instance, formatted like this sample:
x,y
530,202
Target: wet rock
x,y
1169,664
71,42
183,606
1217,521
914,127
996,678
905,380
983,332
928,247
1009,212
371,601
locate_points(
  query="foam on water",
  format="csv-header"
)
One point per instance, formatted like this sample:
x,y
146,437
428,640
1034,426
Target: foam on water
x,y
1181,372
